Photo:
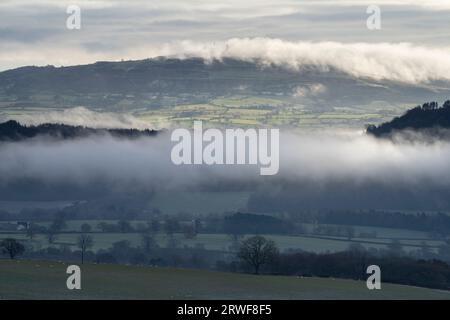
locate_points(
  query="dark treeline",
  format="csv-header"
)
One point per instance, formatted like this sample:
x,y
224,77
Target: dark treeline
x,y
229,223
438,223
245,223
174,254
348,194
352,264
428,118
14,131
296,208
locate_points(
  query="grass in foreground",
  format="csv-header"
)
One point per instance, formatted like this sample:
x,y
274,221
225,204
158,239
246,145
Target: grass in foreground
x,y
25,279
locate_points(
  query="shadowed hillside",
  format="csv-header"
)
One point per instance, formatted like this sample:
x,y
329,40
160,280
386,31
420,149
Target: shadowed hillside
x,y
428,118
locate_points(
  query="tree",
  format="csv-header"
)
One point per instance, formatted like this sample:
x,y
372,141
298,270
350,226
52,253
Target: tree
x,y
349,232
446,104
55,227
171,226
124,226
148,242
189,232
51,235
85,228
31,231
84,242
155,225
102,226
257,251
11,247
58,224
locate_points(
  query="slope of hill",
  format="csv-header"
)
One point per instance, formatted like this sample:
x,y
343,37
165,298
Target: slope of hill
x,y
14,131
47,280
163,82
428,118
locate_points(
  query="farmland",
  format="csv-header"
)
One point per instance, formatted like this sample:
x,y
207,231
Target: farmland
x,y
242,111
410,240
22,279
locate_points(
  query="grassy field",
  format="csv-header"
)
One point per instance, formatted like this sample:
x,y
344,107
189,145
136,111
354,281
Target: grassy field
x,y
23,279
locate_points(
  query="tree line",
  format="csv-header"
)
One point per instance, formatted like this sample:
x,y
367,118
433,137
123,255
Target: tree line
x,y
14,131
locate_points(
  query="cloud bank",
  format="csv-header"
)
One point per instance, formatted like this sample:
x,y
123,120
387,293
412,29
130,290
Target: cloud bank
x,y
314,158
402,62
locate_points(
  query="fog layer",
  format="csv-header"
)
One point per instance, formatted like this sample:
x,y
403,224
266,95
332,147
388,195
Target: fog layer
x,y
323,163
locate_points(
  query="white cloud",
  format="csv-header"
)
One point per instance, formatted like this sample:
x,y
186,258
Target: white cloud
x,y
402,62
310,90
315,157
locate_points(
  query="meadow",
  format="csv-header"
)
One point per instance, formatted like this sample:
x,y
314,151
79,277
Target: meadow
x,y
234,110
28,279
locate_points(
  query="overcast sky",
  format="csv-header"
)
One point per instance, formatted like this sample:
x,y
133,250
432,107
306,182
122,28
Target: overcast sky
x,y
33,32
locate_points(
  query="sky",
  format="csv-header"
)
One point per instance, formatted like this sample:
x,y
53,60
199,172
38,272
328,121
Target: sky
x,y
34,32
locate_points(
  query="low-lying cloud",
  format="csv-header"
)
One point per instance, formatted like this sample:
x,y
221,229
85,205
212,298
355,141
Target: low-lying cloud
x,y
308,161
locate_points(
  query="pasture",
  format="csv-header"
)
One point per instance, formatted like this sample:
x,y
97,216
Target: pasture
x,y
28,279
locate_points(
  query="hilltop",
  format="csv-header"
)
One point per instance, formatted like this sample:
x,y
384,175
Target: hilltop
x,y
428,118
219,90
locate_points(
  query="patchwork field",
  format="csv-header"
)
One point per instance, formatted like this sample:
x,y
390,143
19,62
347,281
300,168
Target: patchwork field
x,y
222,242
23,279
242,111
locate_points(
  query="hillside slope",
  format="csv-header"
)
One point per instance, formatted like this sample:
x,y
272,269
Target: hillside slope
x,y
163,82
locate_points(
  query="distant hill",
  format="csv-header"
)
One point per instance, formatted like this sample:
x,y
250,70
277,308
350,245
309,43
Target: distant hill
x,y
428,118
163,82
14,131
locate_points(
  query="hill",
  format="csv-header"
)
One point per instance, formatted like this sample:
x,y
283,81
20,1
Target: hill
x,y
46,280
428,118
164,83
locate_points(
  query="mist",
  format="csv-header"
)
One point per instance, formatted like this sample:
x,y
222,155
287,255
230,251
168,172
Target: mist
x,y
351,164
403,62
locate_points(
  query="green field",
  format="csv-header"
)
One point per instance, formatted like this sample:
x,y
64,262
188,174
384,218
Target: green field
x,y
241,111
23,279
380,238
248,112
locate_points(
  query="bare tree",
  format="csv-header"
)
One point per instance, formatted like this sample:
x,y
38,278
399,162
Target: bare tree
x,y
31,230
257,251
84,242
85,228
171,226
51,235
148,242
11,247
